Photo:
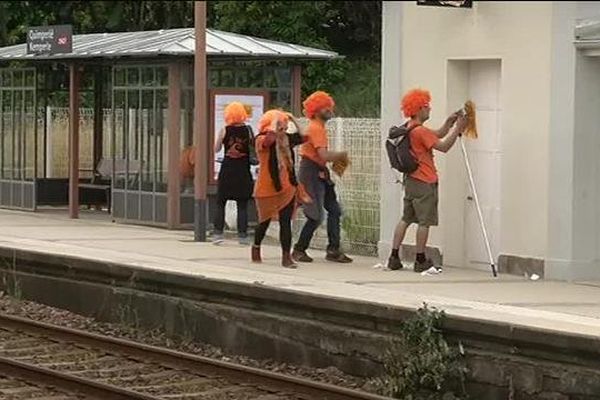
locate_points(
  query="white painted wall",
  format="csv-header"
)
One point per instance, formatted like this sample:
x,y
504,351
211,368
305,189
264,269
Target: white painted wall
x,y
391,94
517,33
550,123
574,166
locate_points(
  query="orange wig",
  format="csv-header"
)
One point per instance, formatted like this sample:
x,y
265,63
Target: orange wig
x,y
316,102
266,121
235,113
414,100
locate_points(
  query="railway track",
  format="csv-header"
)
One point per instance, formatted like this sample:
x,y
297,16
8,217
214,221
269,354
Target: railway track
x,y
72,364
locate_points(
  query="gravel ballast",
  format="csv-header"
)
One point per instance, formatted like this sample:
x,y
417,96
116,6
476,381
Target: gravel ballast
x,y
51,315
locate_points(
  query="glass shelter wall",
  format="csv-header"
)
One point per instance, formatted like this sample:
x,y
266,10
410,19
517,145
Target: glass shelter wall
x,y
19,139
274,78
140,110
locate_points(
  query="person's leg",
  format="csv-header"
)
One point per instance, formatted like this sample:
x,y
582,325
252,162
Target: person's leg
x,y
427,215
399,235
259,235
219,221
408,217
314,216
242,220
334,214
285,235
422,236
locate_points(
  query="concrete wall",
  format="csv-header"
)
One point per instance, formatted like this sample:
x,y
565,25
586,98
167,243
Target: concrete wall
x,y
574,191
517,34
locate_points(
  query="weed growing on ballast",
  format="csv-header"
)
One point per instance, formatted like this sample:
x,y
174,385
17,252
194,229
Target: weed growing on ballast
x,y
420,364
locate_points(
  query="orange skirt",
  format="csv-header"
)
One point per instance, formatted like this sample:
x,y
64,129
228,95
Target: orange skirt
x,y
269,207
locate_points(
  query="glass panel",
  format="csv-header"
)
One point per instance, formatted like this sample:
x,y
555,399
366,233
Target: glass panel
x,y
120,76
18,78
162,102
132,150
133,76
7,79
270,81
284,99
120,122
148,77
227,78
256,77
214,79
284,77
162,76
29,152
6,134
30,78
147,133
243,78
17,136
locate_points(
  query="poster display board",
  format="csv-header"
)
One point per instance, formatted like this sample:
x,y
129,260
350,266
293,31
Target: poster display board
x,y
255,103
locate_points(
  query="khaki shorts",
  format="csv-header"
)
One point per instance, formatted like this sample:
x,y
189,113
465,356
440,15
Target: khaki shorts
x,y
420,202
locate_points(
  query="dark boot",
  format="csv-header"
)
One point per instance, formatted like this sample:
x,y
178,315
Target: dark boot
x,y
338,257
287,261
256,258
394,263
301,256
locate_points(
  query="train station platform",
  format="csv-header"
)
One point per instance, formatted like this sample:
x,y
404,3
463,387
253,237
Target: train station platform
x,y
570,307
521,338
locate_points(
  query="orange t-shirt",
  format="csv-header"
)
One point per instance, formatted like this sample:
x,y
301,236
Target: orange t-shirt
x,y
264,183
317,139
422,140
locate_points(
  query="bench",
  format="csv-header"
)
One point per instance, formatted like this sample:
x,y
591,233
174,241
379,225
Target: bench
x,y
97,192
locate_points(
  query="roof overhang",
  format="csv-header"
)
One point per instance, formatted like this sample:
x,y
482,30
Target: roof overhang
x,y
171,43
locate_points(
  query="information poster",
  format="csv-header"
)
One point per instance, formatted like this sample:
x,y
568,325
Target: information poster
x,y
255,105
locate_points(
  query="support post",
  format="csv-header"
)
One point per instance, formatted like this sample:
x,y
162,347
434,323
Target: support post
x,y
200,125
297,90
75,73
174,147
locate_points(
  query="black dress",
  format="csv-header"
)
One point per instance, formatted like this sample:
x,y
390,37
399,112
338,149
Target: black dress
x,y
235,179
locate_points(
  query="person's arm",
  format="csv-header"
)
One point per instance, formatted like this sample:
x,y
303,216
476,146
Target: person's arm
x,y
444,129
331,156
444,144
219,142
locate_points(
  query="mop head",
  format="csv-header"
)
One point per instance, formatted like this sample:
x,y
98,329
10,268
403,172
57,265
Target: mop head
x,y
471,130
340,166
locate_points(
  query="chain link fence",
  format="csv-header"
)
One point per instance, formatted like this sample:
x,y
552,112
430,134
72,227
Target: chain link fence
x,y
358,191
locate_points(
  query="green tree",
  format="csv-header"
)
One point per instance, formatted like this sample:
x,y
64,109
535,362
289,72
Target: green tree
x,y
351,28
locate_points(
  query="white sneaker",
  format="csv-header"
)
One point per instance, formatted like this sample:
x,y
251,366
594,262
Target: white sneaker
x,y
218,239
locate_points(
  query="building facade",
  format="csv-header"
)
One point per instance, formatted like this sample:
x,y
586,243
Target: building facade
x,y
533,70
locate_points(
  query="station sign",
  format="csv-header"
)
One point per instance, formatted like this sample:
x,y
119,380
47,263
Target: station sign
x,y
48,40
449,3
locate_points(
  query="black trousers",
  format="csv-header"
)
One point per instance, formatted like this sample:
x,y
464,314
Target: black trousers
x,y
285,228
242,216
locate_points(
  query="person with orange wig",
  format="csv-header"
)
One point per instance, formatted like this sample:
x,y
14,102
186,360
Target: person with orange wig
x,y
235,179
421,186
277,191
314,175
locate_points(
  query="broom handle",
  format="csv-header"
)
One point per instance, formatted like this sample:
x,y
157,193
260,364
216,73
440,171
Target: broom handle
x,y
479,214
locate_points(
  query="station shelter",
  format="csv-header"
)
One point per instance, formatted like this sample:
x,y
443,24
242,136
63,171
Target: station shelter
x,y
139,86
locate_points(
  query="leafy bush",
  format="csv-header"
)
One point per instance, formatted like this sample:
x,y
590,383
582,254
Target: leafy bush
x,y
420,364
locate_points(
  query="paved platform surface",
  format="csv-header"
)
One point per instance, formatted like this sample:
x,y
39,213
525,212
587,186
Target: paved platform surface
x,y
549,305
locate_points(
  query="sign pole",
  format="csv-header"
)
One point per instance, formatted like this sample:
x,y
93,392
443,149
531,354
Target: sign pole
x,y
201,156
